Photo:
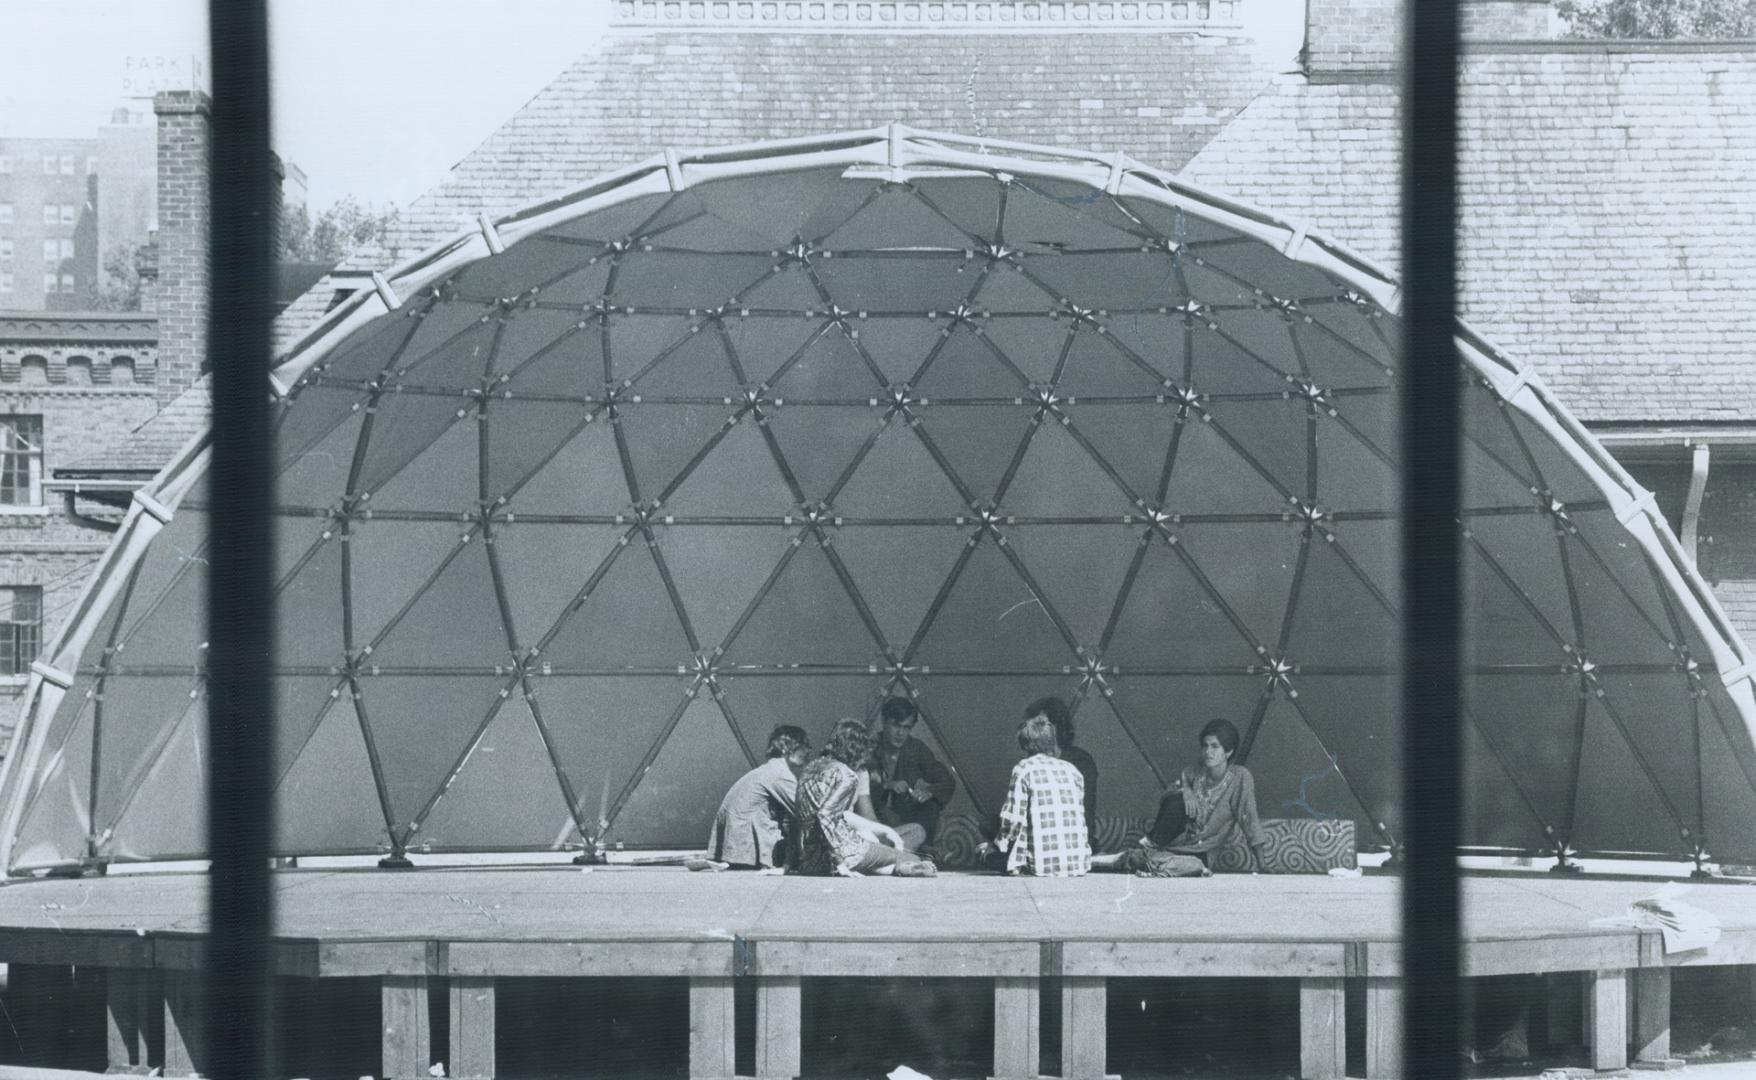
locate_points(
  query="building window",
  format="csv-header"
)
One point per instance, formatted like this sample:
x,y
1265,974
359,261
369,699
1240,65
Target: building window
x,y
5,249
5,281
48,164
51,251
5,213
69,214
67,249
67,283
5,163
21,460
66,164
51,281
91,165
51,213
21,627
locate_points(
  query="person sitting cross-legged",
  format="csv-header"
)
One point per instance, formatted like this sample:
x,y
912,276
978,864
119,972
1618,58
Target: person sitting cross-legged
x,y
1042,824
1212,806
833,838
758,818
910,787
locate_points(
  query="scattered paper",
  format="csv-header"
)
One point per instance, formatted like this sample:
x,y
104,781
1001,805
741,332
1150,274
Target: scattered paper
x,y
1344,871
903,1072
438,1069
1682,926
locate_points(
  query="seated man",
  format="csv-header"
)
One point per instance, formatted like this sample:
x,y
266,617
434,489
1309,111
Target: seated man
x,y
758,818
1042,825
909,785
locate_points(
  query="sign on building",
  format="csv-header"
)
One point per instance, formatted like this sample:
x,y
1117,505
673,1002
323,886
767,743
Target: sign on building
x,y
146,74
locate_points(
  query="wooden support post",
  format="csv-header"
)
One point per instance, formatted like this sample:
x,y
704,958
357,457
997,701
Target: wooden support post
x,y
1652,1014
472,1028
1017,1023
185,1023
1084,1027
125,1018
407,1035
1322,1029
1609,1019
38,997
712,1028
778,1001
1383,1028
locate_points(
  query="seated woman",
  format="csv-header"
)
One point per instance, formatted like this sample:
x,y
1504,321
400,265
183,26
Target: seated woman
x,y
833,839
1217,801
759,814
1042,825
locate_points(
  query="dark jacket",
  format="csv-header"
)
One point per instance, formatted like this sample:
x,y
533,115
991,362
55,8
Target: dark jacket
x,y
913,762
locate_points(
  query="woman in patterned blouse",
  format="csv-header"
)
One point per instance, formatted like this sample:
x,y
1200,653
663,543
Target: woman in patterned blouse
x,y
1219,804
1042,825
833,839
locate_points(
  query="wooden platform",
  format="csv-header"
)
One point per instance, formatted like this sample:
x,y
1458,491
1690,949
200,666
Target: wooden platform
x,y
473,925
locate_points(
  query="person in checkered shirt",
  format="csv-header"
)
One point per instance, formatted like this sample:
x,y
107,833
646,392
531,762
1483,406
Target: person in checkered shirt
x,y
1042,825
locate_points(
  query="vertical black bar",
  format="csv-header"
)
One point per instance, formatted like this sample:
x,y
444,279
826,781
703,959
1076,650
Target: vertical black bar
x,y
1431,546
240,617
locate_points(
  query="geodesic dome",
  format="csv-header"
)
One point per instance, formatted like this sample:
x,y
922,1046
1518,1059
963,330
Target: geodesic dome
x,y
575,507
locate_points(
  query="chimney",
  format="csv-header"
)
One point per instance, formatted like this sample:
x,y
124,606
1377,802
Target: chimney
x,y
146,268
185,120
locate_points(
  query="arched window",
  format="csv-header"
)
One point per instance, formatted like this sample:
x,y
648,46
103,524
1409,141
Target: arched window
x,y
79,370
34,371
122,370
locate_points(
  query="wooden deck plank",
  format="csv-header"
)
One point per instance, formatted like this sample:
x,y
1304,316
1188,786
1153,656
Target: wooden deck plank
x,y
1084,1028
712,1028
889,959
1652,1014
1017,1028
405,1031
778,1027
472,1004
1383,1028
1322,1029
1608,1023
590,958
1173,959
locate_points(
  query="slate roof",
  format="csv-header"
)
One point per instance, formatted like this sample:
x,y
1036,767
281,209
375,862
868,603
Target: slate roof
x,y
1608,209
1159,95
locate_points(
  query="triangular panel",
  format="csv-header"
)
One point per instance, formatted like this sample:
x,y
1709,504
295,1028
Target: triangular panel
x,y
456,624
168,813
326,800
421,725
1169,621
804,618
700,755
626,622
898,571
737,479
719,570
1059,478
505,794
992,621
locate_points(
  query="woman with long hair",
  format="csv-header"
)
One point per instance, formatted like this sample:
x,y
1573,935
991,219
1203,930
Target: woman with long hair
x,y
833,838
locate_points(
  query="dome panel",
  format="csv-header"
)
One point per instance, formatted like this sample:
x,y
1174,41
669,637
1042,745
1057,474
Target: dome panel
x,y
505,793
968,400
326,798
990,620
1171,620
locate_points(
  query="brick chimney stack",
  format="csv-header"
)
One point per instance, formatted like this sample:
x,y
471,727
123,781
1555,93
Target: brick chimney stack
x,y
185,124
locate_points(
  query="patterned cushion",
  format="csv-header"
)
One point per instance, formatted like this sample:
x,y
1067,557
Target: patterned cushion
x,y
1295,845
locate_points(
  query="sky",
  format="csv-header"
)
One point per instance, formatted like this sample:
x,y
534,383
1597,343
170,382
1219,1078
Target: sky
x,y
376,99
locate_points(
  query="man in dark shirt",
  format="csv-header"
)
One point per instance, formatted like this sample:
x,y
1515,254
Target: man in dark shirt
x,y
910,787
1056,712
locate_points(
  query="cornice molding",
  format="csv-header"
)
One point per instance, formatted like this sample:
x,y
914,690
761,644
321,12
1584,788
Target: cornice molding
x,y
917,16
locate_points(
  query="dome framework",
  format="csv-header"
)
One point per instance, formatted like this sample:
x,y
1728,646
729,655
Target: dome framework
x,y
577,505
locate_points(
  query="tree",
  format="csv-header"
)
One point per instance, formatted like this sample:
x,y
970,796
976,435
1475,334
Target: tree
x,y
1659,19
336,233
120,290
